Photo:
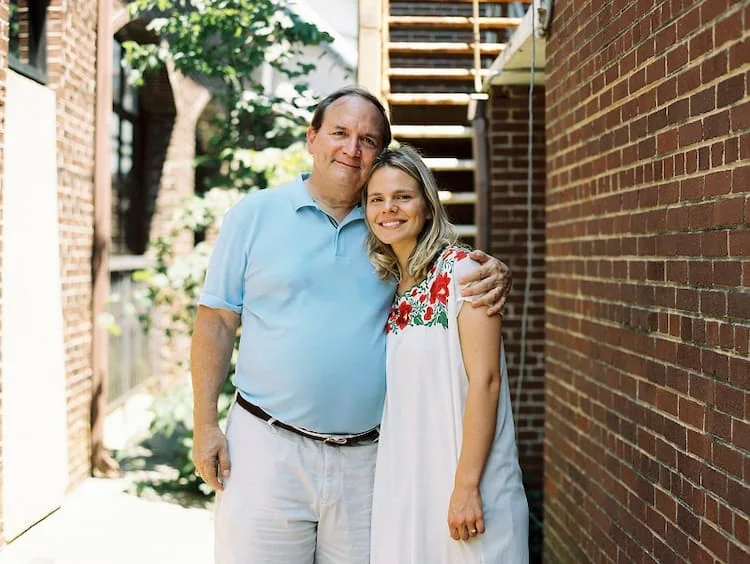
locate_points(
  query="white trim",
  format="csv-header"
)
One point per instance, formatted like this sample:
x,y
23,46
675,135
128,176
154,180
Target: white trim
x,y
512,66
342,48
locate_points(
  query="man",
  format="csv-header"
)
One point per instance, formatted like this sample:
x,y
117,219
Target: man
x,y
290,266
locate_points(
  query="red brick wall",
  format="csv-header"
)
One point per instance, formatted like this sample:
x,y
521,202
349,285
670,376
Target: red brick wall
x,y
648,284
3,76
508,142
72,74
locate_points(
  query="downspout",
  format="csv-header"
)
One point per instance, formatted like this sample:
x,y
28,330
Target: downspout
x,y
101,461
481,154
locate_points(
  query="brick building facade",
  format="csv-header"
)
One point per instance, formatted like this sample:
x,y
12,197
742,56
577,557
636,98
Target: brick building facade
x,y
69,83
508,139
66,76
647,432
3,73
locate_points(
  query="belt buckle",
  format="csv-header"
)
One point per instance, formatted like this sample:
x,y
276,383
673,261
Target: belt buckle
x,y
336,440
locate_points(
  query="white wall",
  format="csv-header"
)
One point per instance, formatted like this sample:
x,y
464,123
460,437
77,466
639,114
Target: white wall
x,y
34,430
336,63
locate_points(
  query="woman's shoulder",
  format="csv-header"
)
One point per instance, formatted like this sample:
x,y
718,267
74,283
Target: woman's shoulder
x,y
450,256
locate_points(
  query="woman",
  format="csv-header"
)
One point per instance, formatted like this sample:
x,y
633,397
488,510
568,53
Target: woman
x,y
447,481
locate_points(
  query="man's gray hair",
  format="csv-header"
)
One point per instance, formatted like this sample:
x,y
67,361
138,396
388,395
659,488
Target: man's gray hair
x,y
320,109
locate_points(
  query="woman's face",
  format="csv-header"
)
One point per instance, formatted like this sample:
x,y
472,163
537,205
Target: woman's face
x,y
396,210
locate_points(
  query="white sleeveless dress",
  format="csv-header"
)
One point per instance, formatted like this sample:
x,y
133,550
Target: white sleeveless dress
x,y
421,432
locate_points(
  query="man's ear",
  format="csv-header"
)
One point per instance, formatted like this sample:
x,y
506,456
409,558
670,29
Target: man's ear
x,y
310,136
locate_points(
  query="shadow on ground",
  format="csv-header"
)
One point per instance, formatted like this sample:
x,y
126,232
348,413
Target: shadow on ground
x,y
154,467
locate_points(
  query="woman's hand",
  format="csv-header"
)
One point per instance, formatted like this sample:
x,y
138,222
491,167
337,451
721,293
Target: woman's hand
x,y
465,515
490,284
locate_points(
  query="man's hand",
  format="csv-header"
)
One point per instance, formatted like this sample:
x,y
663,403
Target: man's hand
x,y
211,455
490,283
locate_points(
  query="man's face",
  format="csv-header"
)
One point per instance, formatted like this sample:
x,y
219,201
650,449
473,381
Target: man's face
x,y
347,143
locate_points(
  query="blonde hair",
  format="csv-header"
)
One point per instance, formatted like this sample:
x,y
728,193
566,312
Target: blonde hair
x,y
437,232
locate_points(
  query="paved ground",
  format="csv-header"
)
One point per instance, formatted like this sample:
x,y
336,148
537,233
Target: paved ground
x,y
101,524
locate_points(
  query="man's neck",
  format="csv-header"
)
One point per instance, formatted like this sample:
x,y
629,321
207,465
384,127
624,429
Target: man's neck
x,y
336,202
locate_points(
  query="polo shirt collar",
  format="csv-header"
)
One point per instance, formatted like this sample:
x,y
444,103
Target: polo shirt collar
x,y
301,198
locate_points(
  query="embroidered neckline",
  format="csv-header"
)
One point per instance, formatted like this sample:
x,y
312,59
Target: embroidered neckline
x,y
426,302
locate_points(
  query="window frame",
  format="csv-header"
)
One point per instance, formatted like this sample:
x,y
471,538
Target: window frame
x,y
36,68
125,240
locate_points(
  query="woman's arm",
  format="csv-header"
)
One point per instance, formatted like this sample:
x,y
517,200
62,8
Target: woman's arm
x,y
489,285
480,346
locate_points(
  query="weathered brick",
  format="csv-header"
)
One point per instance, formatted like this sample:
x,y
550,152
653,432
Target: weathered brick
x,y
670,247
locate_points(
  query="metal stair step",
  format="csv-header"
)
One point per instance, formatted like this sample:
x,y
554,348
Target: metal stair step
x,y
435,72
448,197
466,230
465,1
444,48
453,22
432,131
429,98
449,163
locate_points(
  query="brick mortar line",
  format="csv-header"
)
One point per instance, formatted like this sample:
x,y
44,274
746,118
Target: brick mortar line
x,y
664,283
561,546
652,282
674,497
644,64
551,243
610,172
702,461
665,414
629,97
637,188
634,399
700,347
651,309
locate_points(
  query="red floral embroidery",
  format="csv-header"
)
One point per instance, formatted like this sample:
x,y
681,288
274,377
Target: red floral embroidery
x,y
425,304
402,319
439,289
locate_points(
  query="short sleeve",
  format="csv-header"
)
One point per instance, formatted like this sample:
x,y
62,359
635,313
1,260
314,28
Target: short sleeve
x,y
224,287
461,267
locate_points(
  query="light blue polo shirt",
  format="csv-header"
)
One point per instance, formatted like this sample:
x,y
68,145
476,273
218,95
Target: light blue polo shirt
x,y
312,351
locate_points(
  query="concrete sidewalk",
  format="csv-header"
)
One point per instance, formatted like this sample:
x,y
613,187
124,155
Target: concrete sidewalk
x,y
99,523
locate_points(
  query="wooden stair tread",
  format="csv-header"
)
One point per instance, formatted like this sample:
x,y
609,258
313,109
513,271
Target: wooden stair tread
x,y
451,98
466,230
435,72
465,1
432,131
455,22
449,198
444,48
449,163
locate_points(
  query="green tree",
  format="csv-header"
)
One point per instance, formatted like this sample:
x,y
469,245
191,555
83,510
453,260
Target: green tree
x,y
225,43
255,141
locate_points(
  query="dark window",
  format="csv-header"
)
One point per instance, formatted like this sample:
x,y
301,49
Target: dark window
x,y
27,49
129,198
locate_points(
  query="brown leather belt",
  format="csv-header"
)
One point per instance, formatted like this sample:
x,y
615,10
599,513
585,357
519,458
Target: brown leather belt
x,y
370,436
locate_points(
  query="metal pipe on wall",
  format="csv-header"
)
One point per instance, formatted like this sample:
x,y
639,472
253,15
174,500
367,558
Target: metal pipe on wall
x,y
101,461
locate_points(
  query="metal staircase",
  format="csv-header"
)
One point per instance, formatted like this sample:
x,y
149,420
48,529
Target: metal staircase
x,y
435,56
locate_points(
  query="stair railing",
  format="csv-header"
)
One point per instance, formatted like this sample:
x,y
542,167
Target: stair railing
x,y
385,81
477,48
